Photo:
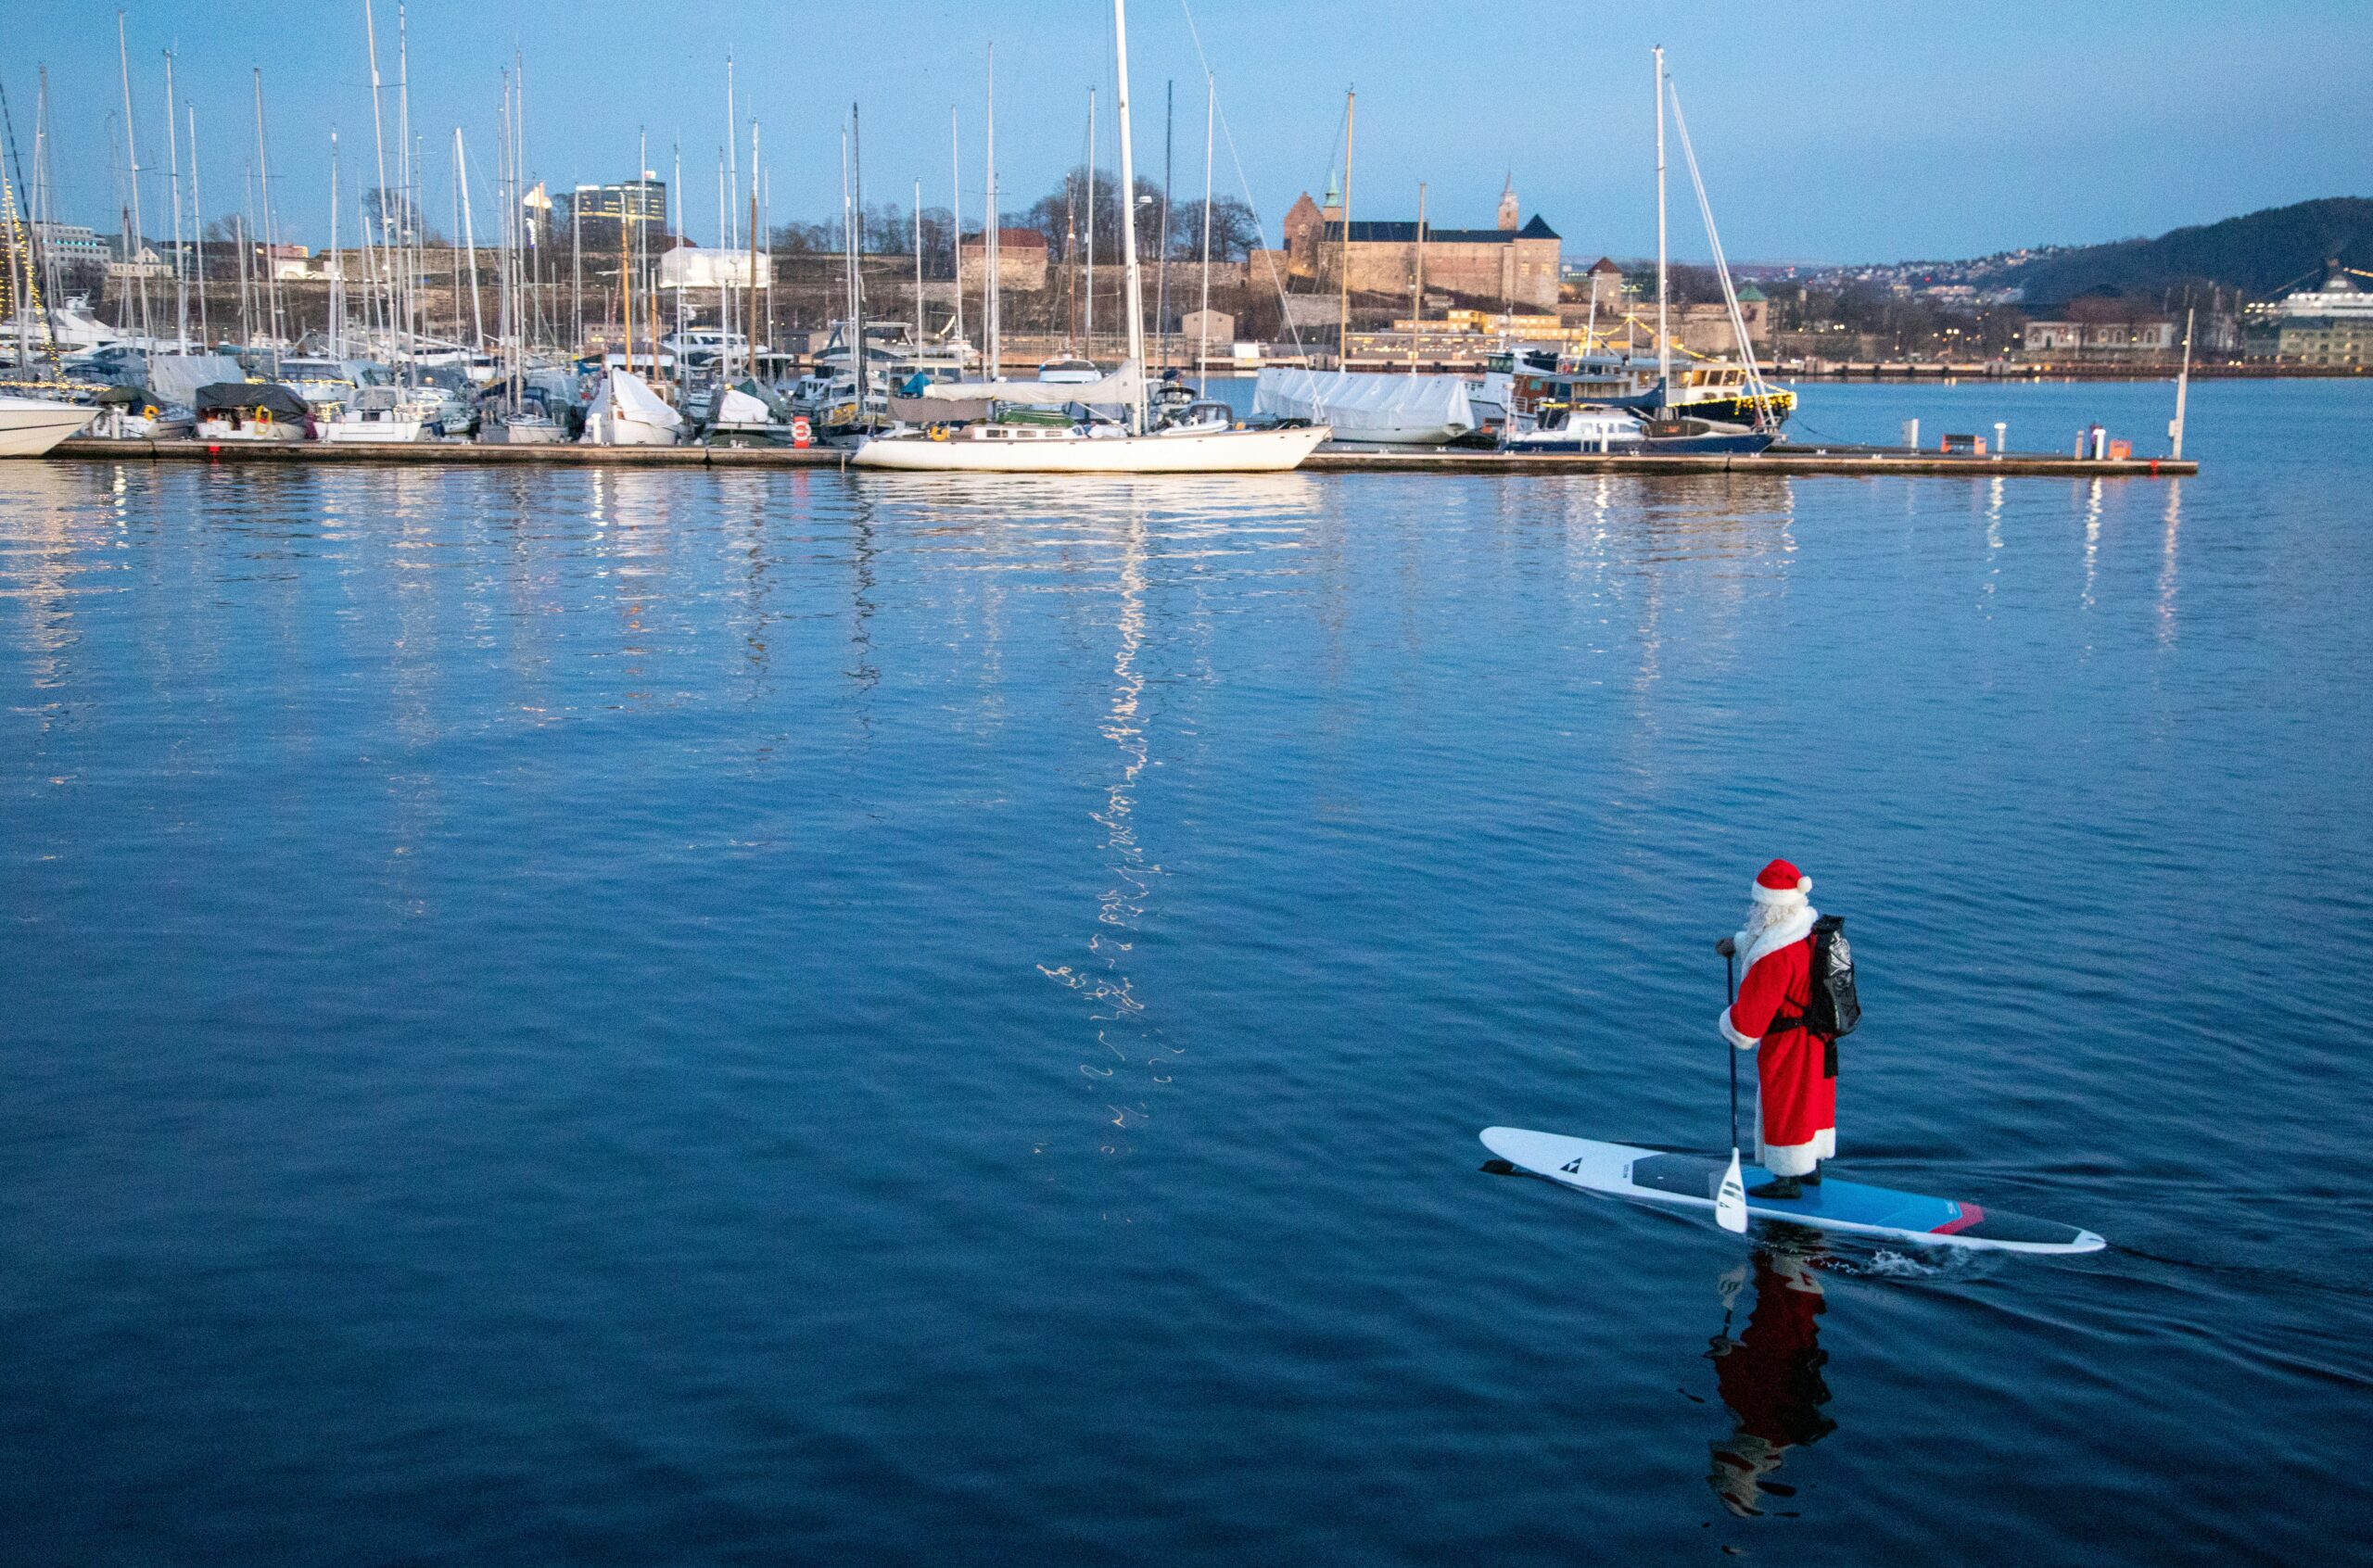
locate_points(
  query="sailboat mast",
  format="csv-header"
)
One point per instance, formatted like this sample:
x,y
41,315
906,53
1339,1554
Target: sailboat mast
x,y
271,231
1343,251
676,194
919,266
335,325
956,221
1664,341
990,325
132,156
1088,334
198,213
1162,261
409,233
180,268
1133,286
470,240
856,252
1203,326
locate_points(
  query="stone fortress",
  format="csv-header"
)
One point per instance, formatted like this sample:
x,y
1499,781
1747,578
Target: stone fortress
x,y
1514,263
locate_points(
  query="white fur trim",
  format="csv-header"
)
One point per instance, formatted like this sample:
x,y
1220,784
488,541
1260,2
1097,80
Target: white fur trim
x,y
1795,928
1743,1042
1796,894
1792,1159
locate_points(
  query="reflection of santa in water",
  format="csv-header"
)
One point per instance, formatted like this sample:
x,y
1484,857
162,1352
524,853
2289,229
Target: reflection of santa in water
x,y
1769,1377
1797,1107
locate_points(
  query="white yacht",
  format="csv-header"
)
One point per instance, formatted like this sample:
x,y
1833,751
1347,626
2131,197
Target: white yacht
x,y
374,413
30,426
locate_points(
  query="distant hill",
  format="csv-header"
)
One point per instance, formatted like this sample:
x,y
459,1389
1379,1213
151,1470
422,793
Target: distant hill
x,y
2262,253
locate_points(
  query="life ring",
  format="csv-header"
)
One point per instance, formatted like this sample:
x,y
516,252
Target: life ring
x,y
148,411
939,433
263,416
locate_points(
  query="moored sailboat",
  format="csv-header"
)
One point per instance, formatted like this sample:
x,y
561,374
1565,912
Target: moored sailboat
x,y
1088,444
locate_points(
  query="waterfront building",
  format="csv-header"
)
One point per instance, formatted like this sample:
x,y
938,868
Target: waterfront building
x,y
1021,259
2331,326
1516,262
72,242
600,210
2142,337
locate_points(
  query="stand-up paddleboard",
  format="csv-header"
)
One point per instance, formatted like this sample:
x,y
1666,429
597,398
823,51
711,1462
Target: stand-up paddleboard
x,y
1691,1180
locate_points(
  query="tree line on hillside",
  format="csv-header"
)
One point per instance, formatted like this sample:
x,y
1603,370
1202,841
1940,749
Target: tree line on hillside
x,y
1066,217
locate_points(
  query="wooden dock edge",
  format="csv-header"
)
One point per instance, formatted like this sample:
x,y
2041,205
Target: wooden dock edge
x,y
1867,465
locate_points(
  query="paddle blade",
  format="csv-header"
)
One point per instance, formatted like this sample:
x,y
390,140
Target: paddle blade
x,y
1730,1200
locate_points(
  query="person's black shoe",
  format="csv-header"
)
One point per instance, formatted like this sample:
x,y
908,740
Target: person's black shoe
x,y
1782,1187
1812,1178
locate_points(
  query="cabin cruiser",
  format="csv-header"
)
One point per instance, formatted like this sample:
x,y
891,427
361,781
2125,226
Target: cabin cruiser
x,y
73,328
1625,432
251,411
30,426
748,415
135,414
1070,369
700,348
375,413
1521,381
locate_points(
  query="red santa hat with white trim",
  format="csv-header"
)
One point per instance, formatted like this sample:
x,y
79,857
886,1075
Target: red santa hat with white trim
x,y
1781,884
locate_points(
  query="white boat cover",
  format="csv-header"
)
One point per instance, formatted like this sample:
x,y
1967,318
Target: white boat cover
x,y
1367,406
176,378
637,401
1122,387
738,407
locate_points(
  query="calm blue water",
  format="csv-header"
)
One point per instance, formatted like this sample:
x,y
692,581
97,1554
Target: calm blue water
x,y
628,1017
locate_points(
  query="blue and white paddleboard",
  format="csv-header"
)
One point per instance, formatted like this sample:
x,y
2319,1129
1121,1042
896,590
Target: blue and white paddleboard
x,y
1690,1181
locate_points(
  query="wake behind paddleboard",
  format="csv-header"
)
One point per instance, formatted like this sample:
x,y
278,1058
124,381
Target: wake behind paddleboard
x,y
1690,1181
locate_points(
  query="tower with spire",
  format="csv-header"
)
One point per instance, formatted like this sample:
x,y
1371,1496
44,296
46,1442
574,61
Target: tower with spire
x,y
1509,218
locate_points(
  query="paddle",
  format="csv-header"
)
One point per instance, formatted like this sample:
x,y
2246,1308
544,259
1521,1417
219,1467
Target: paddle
x,y
1730,1199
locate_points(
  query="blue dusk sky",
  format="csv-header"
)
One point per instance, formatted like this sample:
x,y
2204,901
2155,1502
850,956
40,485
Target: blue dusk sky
x,y
1827,131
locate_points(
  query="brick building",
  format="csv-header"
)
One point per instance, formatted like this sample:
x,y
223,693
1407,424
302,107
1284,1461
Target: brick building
x,y
1513,263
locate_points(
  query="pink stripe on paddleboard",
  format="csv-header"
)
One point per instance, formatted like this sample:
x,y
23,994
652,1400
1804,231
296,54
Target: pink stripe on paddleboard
x,y
1970,1215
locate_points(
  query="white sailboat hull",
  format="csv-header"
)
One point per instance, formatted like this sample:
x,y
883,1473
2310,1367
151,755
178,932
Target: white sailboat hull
x,y
30,426
609,430
376,430
1182,451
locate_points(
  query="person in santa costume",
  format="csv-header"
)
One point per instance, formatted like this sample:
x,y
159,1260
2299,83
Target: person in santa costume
x,y
1795,1123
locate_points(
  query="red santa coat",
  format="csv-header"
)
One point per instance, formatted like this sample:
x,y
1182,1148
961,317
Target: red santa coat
x,y
1797,1110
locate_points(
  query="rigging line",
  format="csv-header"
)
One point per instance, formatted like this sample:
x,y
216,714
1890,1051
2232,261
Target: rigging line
x,y
1244,181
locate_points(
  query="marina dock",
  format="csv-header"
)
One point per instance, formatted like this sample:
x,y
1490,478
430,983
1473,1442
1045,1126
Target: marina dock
x,y
1806,459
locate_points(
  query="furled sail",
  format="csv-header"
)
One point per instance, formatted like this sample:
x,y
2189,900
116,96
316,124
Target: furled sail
x,y
1122,388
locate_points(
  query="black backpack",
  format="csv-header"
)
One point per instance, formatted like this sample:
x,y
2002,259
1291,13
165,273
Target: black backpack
x,y
1834,1011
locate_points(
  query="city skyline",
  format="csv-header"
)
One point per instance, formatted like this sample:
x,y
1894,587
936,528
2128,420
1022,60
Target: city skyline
x,y
1801,115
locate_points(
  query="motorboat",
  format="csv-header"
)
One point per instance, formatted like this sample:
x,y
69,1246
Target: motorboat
x,y
1624,433
1070,370
251,411
135,414
748,415
30,426
375,413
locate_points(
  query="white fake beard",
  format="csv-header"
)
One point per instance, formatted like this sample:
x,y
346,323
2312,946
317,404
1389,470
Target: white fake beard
x,y
1761,917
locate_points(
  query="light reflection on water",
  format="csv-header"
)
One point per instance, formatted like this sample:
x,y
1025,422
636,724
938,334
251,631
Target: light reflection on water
x,y
523,983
